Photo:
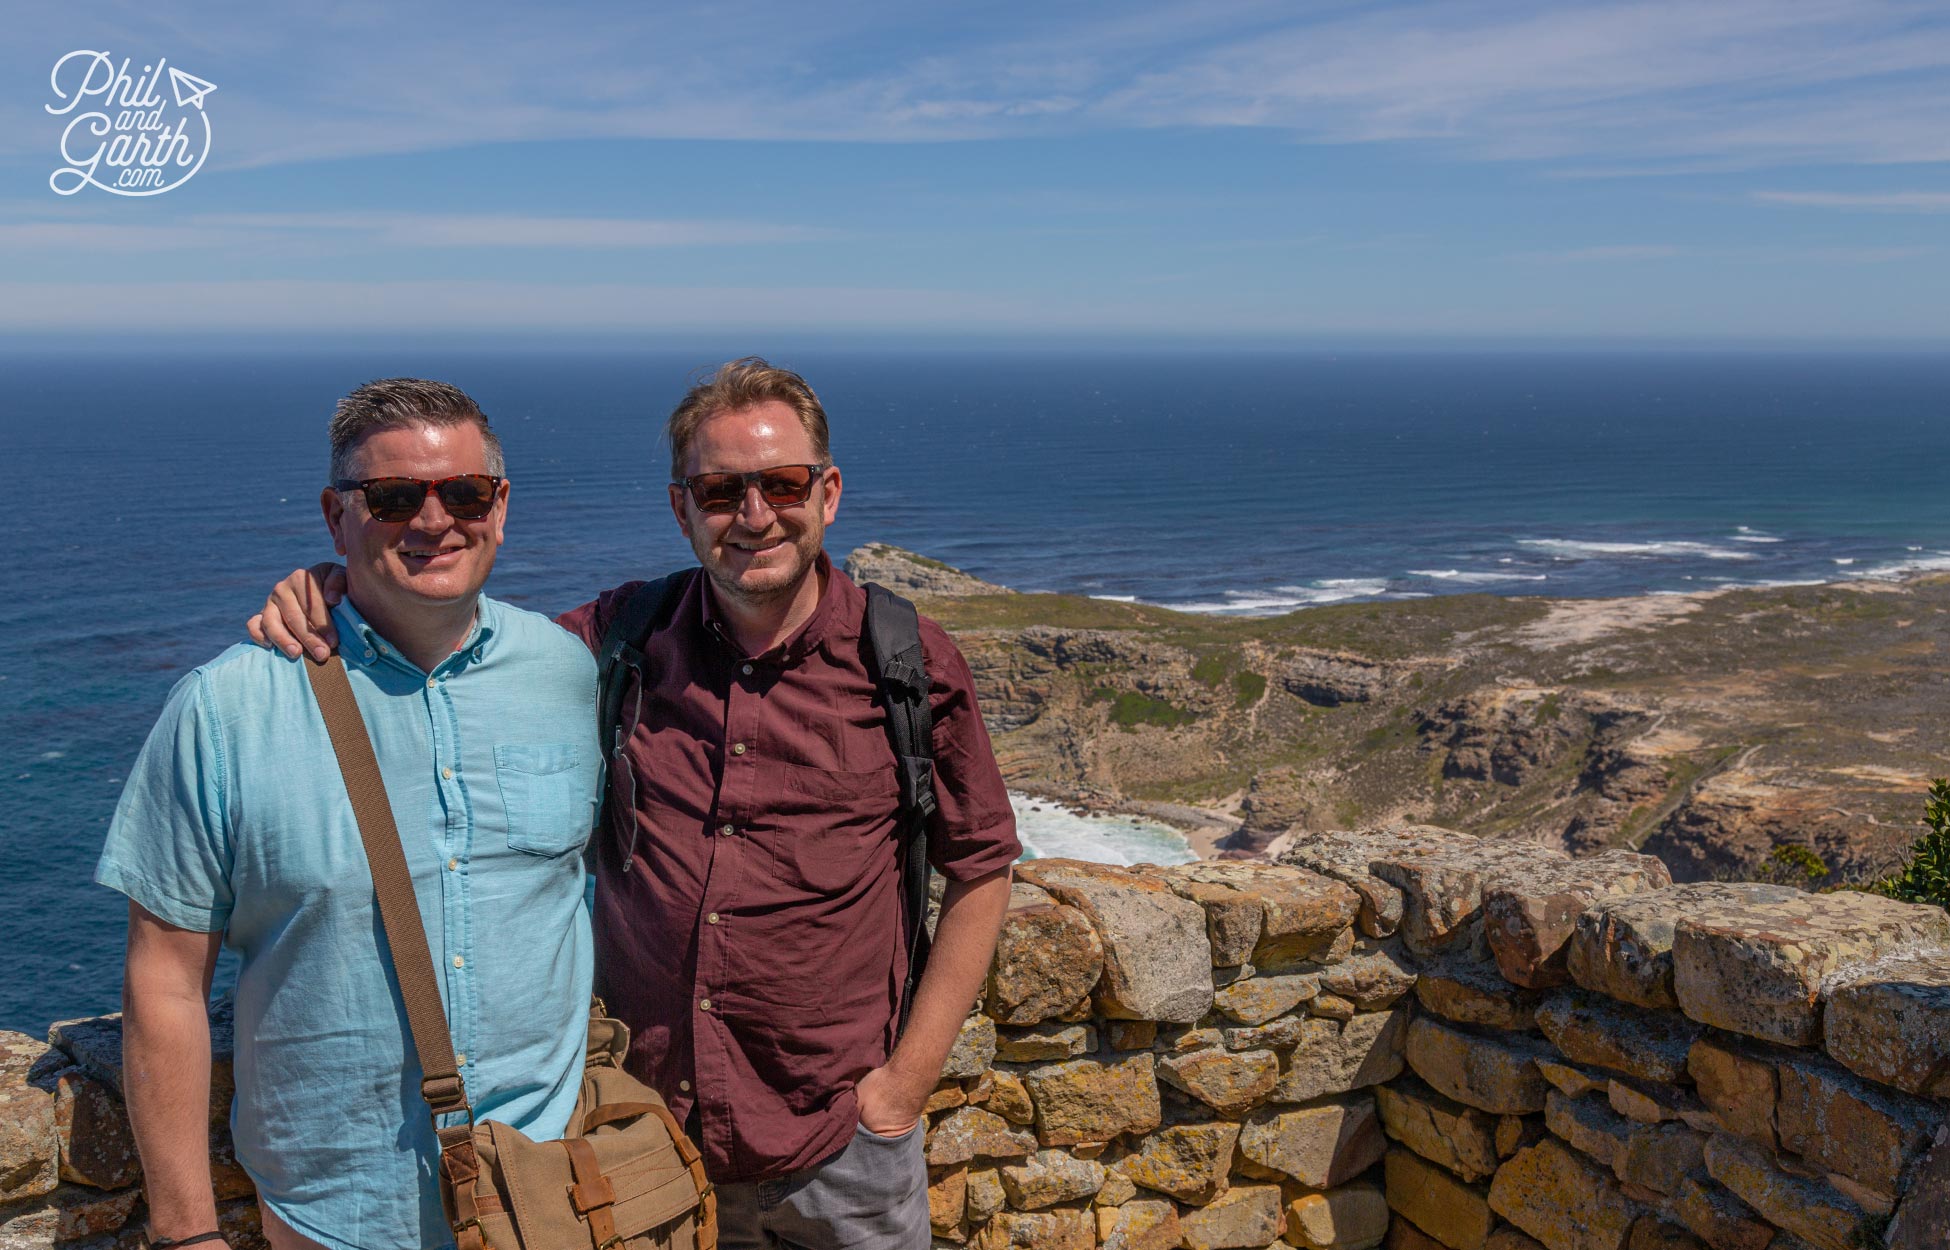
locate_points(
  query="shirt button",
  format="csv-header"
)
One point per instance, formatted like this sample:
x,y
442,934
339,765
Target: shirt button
x,y
725,830
685,1086
704,1005
746,670
448,773
430,682
712,918
459,962
368,653
453,865
460,1060
737,748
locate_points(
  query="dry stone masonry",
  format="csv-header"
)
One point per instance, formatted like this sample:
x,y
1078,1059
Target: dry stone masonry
x,y
1406,1038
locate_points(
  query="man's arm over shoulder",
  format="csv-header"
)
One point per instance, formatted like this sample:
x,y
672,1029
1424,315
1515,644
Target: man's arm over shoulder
x,y
591,621
974,832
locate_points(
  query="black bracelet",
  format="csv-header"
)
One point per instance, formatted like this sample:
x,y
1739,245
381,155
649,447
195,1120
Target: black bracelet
x,y
171,1243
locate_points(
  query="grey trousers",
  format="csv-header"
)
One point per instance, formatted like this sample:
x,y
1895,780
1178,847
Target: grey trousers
x,y
873,1195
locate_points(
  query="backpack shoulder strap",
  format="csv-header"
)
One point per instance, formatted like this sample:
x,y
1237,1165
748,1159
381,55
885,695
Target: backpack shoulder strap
x,y
647,610
900,672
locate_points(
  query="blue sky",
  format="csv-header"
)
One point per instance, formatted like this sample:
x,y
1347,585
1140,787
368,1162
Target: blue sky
x,y
1767,171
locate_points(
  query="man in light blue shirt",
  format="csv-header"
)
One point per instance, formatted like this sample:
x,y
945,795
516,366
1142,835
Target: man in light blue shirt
x,y
235,829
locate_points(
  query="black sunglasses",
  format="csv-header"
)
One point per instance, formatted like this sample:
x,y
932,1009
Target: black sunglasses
x,y
465,496
780,486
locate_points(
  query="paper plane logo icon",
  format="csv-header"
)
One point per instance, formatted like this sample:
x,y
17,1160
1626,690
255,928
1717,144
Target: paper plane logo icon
x,y
189,89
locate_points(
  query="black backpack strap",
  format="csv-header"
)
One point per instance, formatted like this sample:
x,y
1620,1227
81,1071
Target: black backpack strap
x,y
647,610
900,672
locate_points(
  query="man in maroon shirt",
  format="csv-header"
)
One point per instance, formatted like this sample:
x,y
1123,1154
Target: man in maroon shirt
x,y
748,919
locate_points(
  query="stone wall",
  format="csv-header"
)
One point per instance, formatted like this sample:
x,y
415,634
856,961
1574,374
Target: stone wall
x,y
1405,1037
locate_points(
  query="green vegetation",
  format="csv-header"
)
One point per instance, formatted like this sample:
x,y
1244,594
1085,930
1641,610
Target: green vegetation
x,y
1795,865
1548,710
1212,667
1926,878
1129,709
1248,687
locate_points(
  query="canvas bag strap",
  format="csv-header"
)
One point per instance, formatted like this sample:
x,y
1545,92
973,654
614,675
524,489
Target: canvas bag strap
x,y
399,909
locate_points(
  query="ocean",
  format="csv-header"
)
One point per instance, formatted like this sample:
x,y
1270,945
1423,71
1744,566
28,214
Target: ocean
x,y
158,494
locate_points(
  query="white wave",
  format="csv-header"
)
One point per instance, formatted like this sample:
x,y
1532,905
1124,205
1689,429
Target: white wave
x,y
1117,598
1053,832
1937,563
1578,549
1746,535
1845,559
1287,598
1457,575
1768,584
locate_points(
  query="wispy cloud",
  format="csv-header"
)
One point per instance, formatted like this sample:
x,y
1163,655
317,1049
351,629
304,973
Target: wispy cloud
x,y
395,230
1612,86
1871,201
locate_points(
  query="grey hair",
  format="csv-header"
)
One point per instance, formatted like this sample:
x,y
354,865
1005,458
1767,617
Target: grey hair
x,y
397,403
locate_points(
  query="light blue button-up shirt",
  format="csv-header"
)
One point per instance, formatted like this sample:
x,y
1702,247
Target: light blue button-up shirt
x,y
235,818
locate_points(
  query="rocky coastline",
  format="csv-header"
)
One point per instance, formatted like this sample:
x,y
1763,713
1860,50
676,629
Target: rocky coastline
x,y
1710,730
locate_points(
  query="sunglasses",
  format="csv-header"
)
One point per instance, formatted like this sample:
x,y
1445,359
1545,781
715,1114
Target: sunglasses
x,y
781,486
465,496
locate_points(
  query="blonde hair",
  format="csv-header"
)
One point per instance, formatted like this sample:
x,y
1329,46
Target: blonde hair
x,y
738,385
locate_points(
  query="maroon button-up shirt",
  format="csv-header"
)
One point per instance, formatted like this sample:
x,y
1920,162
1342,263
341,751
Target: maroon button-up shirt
x,y
755,946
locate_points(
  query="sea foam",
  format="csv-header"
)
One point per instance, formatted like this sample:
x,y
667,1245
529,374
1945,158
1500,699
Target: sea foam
x,y
1051,832
1580,549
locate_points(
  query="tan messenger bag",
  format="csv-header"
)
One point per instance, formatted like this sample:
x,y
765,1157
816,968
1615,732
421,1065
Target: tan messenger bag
x,y
623,1177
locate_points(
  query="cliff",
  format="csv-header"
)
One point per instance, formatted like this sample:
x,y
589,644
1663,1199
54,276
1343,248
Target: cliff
x,y
1406,1037
1705,729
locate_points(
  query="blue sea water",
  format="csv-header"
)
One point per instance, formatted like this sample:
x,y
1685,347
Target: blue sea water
x,y
155,496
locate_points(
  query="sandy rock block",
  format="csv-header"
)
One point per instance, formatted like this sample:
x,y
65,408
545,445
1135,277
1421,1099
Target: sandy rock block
x,y
972,1133
1336,1058
1049,1177
1190,1162
1508,1238
985,1194
1562,1199
1659,1156
92,1127
1623,943
1085,1100
1718,1218
1352,1217
1806,1207
1143,1224
973,1051
1372,981
1866,1132
1529,917
1436,1202
1403,1235
1157,961
1046,958
1062,1229
1320,1146
947,1197
1651,1045
1265,914
1498,1075
1045,1041
1439,1129
1350,858
1891,1022
69,1214
1471,991
1652,1233
1009,1099
1243,1216
1255,1000
1230,1082
1589,1125
1739,1083
1442,890
1758,968
30,1152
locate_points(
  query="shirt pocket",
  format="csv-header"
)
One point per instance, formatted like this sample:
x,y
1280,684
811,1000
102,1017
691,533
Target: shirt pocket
x,y
548,794
835,827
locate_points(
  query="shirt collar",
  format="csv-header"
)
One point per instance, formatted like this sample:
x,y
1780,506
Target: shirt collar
x,y
363,646
804,640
